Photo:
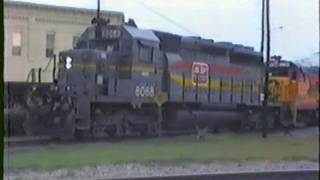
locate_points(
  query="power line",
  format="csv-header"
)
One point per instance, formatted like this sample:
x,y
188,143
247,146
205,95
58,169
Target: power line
x,y
166,18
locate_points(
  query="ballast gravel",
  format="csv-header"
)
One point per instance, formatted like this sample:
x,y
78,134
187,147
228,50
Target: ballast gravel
x,y
153,169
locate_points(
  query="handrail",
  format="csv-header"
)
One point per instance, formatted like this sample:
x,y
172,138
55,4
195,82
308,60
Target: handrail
x,y
40,70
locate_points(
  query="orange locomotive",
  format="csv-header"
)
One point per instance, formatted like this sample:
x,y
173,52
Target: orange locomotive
x,y
296,90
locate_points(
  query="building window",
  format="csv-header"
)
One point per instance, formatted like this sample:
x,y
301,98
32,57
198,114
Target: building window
x,y
75,40
16,44
50,44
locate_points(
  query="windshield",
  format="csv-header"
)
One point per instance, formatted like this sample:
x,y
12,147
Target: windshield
x,y
280,71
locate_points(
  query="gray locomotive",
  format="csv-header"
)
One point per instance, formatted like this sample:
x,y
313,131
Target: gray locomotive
x,y
122,80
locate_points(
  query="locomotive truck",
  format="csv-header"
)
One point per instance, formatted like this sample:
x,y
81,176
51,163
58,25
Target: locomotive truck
x,y
122,80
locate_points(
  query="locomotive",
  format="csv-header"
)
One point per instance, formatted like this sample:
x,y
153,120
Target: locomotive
x,y
122,80
297,89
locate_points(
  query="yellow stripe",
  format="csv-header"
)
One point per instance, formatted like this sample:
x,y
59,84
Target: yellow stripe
x,y
214,85
137,69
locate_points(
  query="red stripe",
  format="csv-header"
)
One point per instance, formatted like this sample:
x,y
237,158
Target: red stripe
x,y
313,79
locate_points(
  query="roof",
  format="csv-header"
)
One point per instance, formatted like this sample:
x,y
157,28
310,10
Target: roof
x,y
59,8
141,34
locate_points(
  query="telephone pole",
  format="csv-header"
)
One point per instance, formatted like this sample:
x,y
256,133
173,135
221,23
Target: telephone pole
x,y
266,14
98,10
262,29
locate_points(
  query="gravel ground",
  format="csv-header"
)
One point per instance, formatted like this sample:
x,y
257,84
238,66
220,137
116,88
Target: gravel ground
x,y
139,170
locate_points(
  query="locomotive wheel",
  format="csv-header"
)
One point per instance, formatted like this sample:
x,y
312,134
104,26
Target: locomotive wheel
x,y
111,132
235,127
120,131
53,125
82,134
116,132
13,121
49,115
214,129
149,130
31,125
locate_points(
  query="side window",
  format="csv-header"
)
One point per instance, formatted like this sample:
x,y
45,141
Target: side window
x,y
294,75
16,43
145,53
301,76
75,40
50,44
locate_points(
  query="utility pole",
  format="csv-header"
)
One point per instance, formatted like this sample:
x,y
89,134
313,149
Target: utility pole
x,y
98,10
98,31
262,29
266,90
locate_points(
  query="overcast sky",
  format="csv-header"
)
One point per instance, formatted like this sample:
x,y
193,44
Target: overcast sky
x,y
237,21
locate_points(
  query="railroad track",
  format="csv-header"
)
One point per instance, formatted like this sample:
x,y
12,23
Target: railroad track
x,y
271,175
44,140
27,141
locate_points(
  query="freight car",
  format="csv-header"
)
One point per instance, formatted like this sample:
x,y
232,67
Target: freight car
x,y
120,80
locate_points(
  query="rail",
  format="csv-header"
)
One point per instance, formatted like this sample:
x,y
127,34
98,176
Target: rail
x,y
270,175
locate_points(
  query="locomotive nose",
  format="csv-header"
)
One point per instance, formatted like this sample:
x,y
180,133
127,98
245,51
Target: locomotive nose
x,y
79,67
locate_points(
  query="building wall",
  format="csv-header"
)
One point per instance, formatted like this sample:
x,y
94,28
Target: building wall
x,y
34,22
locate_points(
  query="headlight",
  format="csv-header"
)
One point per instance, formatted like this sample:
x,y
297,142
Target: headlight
x,y
68,64
68,60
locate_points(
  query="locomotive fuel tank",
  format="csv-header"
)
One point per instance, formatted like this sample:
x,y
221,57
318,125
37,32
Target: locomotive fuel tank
x,y
184,119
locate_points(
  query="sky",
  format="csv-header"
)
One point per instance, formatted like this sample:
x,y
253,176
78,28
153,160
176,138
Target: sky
x,y
294,23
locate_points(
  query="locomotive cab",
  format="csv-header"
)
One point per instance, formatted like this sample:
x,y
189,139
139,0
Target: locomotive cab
x,y
84,65
113,56
284,77
111,66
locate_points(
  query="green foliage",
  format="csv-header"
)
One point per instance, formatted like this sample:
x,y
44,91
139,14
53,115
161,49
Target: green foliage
x,y
226,147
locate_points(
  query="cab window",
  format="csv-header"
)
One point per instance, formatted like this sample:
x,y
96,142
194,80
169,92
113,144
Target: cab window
x,y
145,53
294,75
301,76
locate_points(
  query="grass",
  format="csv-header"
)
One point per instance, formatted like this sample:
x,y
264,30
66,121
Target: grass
x,y
223,147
